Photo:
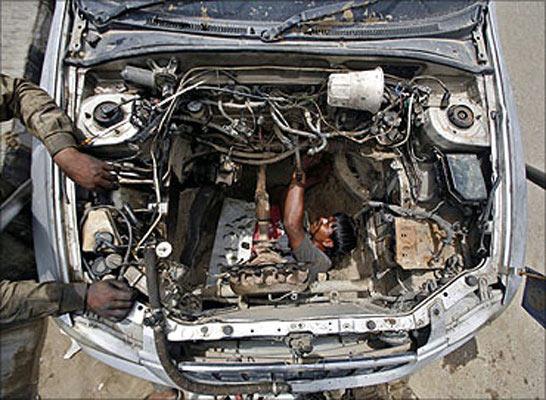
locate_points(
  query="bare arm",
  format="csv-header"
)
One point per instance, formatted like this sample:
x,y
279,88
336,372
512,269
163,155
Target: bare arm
x,y
294,211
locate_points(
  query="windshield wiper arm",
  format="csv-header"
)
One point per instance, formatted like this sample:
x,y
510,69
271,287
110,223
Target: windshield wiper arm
x,y
275,33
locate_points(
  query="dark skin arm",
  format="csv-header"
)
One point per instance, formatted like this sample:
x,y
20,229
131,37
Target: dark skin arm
x,y
293,212
86,171
28,300
110,299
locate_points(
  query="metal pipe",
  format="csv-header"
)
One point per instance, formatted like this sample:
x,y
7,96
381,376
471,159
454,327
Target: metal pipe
x,y
359,285
127,181
262,204
288,129
536,176
15,203
349,286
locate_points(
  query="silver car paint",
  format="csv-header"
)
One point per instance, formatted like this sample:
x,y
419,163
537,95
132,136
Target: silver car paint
x,y
136,355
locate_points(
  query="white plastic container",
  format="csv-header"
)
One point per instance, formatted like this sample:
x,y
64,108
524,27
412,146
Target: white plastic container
x,y
362,90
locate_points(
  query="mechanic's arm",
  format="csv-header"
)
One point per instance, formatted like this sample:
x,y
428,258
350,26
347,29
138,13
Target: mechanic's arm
x,y
294,211
46,121
27,300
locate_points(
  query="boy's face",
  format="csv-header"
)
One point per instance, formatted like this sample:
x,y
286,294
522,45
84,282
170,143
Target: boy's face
x,y
321,231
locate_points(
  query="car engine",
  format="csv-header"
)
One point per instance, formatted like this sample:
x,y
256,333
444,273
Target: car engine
x,y
202,153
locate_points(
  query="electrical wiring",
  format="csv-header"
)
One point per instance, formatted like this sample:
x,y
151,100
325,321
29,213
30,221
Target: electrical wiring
x,y
262,125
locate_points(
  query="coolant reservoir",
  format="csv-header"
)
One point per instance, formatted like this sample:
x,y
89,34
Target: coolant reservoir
x,y
361,90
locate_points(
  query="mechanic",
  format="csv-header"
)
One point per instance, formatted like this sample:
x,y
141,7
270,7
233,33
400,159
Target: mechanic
x,y
327,239
23,304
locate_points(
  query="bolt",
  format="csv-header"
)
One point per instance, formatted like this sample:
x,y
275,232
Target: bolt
x,y
163,249
471,280
370,325
204,330
227,329
436,311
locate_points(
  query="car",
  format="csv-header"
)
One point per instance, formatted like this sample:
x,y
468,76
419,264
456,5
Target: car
x,y
203,108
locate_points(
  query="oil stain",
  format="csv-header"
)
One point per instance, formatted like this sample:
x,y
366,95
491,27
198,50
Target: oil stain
x,y
396,390
462,356
493,393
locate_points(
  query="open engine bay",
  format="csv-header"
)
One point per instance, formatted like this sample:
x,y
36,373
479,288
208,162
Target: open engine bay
x,y
199,151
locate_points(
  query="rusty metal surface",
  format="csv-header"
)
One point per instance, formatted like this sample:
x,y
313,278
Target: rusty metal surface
x,y
268,272
419,245
269,279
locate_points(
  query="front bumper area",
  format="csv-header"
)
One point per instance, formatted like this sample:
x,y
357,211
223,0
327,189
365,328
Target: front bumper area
x,y
449,329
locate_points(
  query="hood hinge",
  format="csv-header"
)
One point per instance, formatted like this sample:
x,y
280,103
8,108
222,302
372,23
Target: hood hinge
x,y
477,39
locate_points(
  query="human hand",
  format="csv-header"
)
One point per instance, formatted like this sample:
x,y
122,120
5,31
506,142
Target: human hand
x,y
85,170
298,178
110,299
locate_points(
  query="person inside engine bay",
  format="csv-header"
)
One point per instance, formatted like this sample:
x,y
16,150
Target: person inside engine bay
x,y
326,239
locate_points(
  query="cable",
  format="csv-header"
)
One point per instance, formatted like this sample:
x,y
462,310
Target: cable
x,y
408,126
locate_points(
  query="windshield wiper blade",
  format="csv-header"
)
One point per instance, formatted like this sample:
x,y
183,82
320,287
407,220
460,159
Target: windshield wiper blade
x,y
105,16
275,33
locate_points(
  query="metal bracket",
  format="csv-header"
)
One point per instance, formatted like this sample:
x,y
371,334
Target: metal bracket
x,y
153,318
481,51
437,323
437,340
79,27
483,289
72,350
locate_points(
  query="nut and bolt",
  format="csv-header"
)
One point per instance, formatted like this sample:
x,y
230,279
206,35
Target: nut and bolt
x,y
370,325
471,280
227,329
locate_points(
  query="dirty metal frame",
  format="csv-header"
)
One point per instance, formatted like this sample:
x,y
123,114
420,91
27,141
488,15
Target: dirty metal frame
x,y
129,345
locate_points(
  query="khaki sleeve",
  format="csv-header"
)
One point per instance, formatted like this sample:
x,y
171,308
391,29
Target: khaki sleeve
x,y
25,300
38,112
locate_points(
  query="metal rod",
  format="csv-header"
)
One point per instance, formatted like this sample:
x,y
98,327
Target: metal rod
x,y
359,363
262,204
536,176
15,203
